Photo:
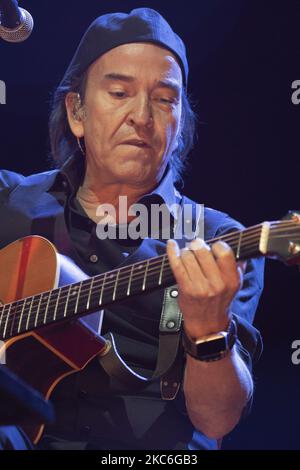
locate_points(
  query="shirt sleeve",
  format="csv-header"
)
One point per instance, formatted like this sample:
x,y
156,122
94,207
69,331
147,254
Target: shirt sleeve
x,y
245,303
8,181
249,341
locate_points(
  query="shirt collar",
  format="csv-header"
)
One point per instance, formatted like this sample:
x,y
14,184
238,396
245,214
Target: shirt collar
x,y
166,192
70,176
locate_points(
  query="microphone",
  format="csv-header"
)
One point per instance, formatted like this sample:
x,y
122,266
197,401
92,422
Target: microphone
x,y
16,24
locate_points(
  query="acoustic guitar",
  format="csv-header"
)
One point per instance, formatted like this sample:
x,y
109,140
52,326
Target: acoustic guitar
x,y
44,295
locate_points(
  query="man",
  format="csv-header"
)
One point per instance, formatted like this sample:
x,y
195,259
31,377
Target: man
x,y
121,125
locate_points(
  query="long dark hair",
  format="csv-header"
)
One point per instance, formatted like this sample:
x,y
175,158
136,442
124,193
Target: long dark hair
x,y
63,143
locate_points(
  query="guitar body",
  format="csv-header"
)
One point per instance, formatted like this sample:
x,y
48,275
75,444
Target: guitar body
x,y
43,357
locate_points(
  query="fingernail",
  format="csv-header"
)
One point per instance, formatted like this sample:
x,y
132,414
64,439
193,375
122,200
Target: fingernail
x,y
197,244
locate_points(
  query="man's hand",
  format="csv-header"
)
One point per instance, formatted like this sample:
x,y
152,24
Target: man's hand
x,y
208,279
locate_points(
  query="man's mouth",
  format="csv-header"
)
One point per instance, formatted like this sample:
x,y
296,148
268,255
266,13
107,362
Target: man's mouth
x,y
137,143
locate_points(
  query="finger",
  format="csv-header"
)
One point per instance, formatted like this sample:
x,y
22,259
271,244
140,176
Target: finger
x,y
176,264
192,267
226,262
206,260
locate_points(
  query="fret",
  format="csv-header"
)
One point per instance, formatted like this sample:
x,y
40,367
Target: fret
x,y
130,280
2,313
5,326
29,313
138,277
38,311
115,287
46,309
62,303
264,237
122,283
90,293
108,290
161,270
8,316
51,306
73,299
102,289
12,323
67,301
56,304
145,276
239,245
78,295
21,316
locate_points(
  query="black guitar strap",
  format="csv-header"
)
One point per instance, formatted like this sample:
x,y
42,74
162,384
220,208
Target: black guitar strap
x,y
168,349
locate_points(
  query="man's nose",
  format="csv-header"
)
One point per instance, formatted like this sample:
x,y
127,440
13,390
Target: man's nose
x,y
141,112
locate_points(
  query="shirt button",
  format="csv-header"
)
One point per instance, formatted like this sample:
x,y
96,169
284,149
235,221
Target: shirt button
x,y
93,258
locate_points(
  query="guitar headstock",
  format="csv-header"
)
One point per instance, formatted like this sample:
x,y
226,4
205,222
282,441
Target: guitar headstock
x,y
284,239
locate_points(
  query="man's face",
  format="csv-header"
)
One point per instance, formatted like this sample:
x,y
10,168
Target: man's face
x,y
133,111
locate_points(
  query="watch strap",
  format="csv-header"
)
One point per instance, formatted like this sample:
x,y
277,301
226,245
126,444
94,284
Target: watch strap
x,y
211,347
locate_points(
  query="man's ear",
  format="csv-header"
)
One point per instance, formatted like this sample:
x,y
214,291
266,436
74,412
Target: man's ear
x,y
75,113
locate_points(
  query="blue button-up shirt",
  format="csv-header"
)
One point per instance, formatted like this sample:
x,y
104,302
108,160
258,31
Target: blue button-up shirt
x,y
45,204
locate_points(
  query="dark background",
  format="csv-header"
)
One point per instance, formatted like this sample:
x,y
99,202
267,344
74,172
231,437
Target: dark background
x,y
244,56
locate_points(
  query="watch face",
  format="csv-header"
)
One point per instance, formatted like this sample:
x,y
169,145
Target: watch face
x,y
214,346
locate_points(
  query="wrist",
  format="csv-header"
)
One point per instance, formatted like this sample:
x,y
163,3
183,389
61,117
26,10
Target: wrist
x,y
211,347
195,331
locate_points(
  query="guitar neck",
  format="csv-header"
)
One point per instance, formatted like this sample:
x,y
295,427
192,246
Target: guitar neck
x,y
93,294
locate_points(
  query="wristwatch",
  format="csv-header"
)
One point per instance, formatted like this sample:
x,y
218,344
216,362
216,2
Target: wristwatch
x,y
211,347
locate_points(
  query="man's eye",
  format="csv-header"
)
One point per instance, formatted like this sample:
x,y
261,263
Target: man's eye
x,y
117,94
167,101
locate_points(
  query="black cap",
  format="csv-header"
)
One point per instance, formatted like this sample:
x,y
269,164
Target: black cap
x,y
114,29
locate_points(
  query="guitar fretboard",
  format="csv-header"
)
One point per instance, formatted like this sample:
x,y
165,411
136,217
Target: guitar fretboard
x,y
97,292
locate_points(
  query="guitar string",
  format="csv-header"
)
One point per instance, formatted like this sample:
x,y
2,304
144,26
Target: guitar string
x,y
120,282
30,322
136,274
124,271
157,259
81,304
135,278
233,235
87,288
